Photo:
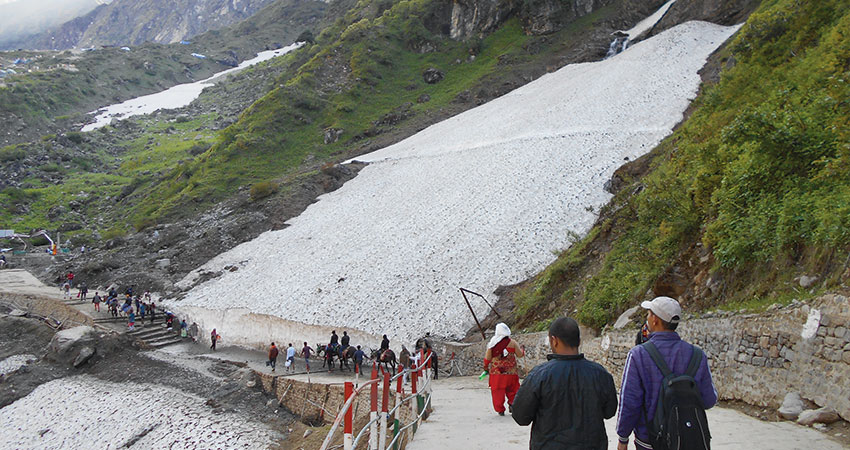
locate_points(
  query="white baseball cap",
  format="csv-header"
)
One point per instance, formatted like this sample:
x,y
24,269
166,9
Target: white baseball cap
x,y
666,308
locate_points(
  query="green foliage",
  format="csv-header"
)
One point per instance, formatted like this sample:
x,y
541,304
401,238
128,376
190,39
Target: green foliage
x,y
114,232
12,153
143,223
262,190
75,137
760,171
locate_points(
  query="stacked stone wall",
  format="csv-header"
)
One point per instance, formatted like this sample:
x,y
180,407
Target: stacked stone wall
x,y
322,402
755,358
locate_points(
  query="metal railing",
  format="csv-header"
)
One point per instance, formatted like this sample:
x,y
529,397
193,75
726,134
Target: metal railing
x,y
378,423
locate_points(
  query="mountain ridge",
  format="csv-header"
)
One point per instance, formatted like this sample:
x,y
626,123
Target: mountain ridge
x,y
125,22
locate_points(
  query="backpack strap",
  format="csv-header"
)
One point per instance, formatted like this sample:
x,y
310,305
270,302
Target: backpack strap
x,y
657,358
696,360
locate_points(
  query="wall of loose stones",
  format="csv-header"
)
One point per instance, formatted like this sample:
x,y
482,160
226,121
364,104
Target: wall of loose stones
x,y
755,358
320,403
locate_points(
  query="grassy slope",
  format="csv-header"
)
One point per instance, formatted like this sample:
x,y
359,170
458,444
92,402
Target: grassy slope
x,y
370,58
759,176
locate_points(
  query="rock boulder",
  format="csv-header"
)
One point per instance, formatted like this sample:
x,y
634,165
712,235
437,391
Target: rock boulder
x,y
824,415
792,406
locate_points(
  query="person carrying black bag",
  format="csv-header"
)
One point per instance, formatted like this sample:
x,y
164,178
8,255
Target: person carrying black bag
x,y
666,387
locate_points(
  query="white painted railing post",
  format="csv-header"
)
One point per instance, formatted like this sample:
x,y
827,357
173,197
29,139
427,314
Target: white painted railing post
x,y
373,414
382,437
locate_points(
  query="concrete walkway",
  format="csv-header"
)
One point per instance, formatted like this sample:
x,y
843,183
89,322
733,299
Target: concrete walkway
x,y
19,281
464,419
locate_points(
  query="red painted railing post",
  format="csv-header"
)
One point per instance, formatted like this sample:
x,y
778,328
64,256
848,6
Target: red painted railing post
x,y
349,416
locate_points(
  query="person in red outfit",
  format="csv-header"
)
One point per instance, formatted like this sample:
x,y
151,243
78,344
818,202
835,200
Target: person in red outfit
x,y
500,361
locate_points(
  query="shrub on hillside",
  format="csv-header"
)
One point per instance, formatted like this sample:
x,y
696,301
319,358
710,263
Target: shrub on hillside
x,y
263,189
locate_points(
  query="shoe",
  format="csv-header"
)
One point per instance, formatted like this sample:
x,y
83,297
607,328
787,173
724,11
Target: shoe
x,y
501,413
511,409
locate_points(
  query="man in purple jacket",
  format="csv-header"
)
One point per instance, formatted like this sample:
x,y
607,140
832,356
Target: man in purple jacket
x,y
642,378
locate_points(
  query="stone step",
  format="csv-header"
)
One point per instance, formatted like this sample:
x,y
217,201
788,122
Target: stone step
x,y
164,342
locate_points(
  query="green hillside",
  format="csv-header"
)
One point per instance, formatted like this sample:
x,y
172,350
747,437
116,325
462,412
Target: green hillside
x,y
751,192
63,86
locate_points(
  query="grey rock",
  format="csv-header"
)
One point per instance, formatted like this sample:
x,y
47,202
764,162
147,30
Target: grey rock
x,y
624,318
63,340
432,76
162,263
825,415
792,406
807,281
85,354
18,313
332,135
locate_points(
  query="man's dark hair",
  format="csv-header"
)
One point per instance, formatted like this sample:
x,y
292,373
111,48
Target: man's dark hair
x,y
668,325
566,330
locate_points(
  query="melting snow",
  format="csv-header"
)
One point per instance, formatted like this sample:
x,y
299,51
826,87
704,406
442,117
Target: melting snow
x,y
175,97
649,22
483,199
100,414
15,362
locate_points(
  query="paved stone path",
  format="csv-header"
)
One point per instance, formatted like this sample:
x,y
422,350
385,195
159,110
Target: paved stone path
x,y
464,419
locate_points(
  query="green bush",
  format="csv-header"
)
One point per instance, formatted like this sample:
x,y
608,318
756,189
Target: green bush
x,y
143,223
263,189
75,137
12,153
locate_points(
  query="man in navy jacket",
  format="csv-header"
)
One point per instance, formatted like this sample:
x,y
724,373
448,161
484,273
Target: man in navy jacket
x,y
642,378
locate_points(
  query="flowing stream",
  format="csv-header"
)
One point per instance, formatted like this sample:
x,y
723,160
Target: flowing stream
x,y
174,97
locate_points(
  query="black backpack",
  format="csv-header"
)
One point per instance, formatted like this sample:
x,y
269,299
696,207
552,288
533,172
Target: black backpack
x,y
679,422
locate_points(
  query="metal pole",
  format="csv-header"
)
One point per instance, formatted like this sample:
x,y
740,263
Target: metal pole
x,y
347,430
463,292
485,301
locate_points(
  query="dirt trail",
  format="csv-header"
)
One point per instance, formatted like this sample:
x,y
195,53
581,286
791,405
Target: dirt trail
x,y
19,281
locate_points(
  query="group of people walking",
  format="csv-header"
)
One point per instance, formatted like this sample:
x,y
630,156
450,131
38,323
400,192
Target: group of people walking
x,y
665,390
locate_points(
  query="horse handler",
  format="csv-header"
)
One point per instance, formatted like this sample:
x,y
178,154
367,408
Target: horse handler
x,y
500,362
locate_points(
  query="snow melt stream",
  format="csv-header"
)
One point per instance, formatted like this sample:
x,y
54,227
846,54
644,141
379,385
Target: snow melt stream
x,y
483,199
174,97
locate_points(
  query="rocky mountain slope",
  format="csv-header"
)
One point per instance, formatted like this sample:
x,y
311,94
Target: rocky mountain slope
x,y
744,206
21,19
131,182
52,91
134,22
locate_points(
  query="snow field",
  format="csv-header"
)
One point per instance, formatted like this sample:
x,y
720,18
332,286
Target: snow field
x,y
15,362
486,198
175,97
83,412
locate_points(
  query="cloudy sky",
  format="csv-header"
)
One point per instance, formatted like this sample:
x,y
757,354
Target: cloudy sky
x,y
21,18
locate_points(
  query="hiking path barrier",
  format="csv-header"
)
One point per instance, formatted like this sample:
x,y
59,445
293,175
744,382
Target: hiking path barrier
x,y
419,401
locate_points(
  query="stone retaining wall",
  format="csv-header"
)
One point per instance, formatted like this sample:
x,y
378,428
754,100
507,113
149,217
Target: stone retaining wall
x,y
322,402
47,307
755,358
